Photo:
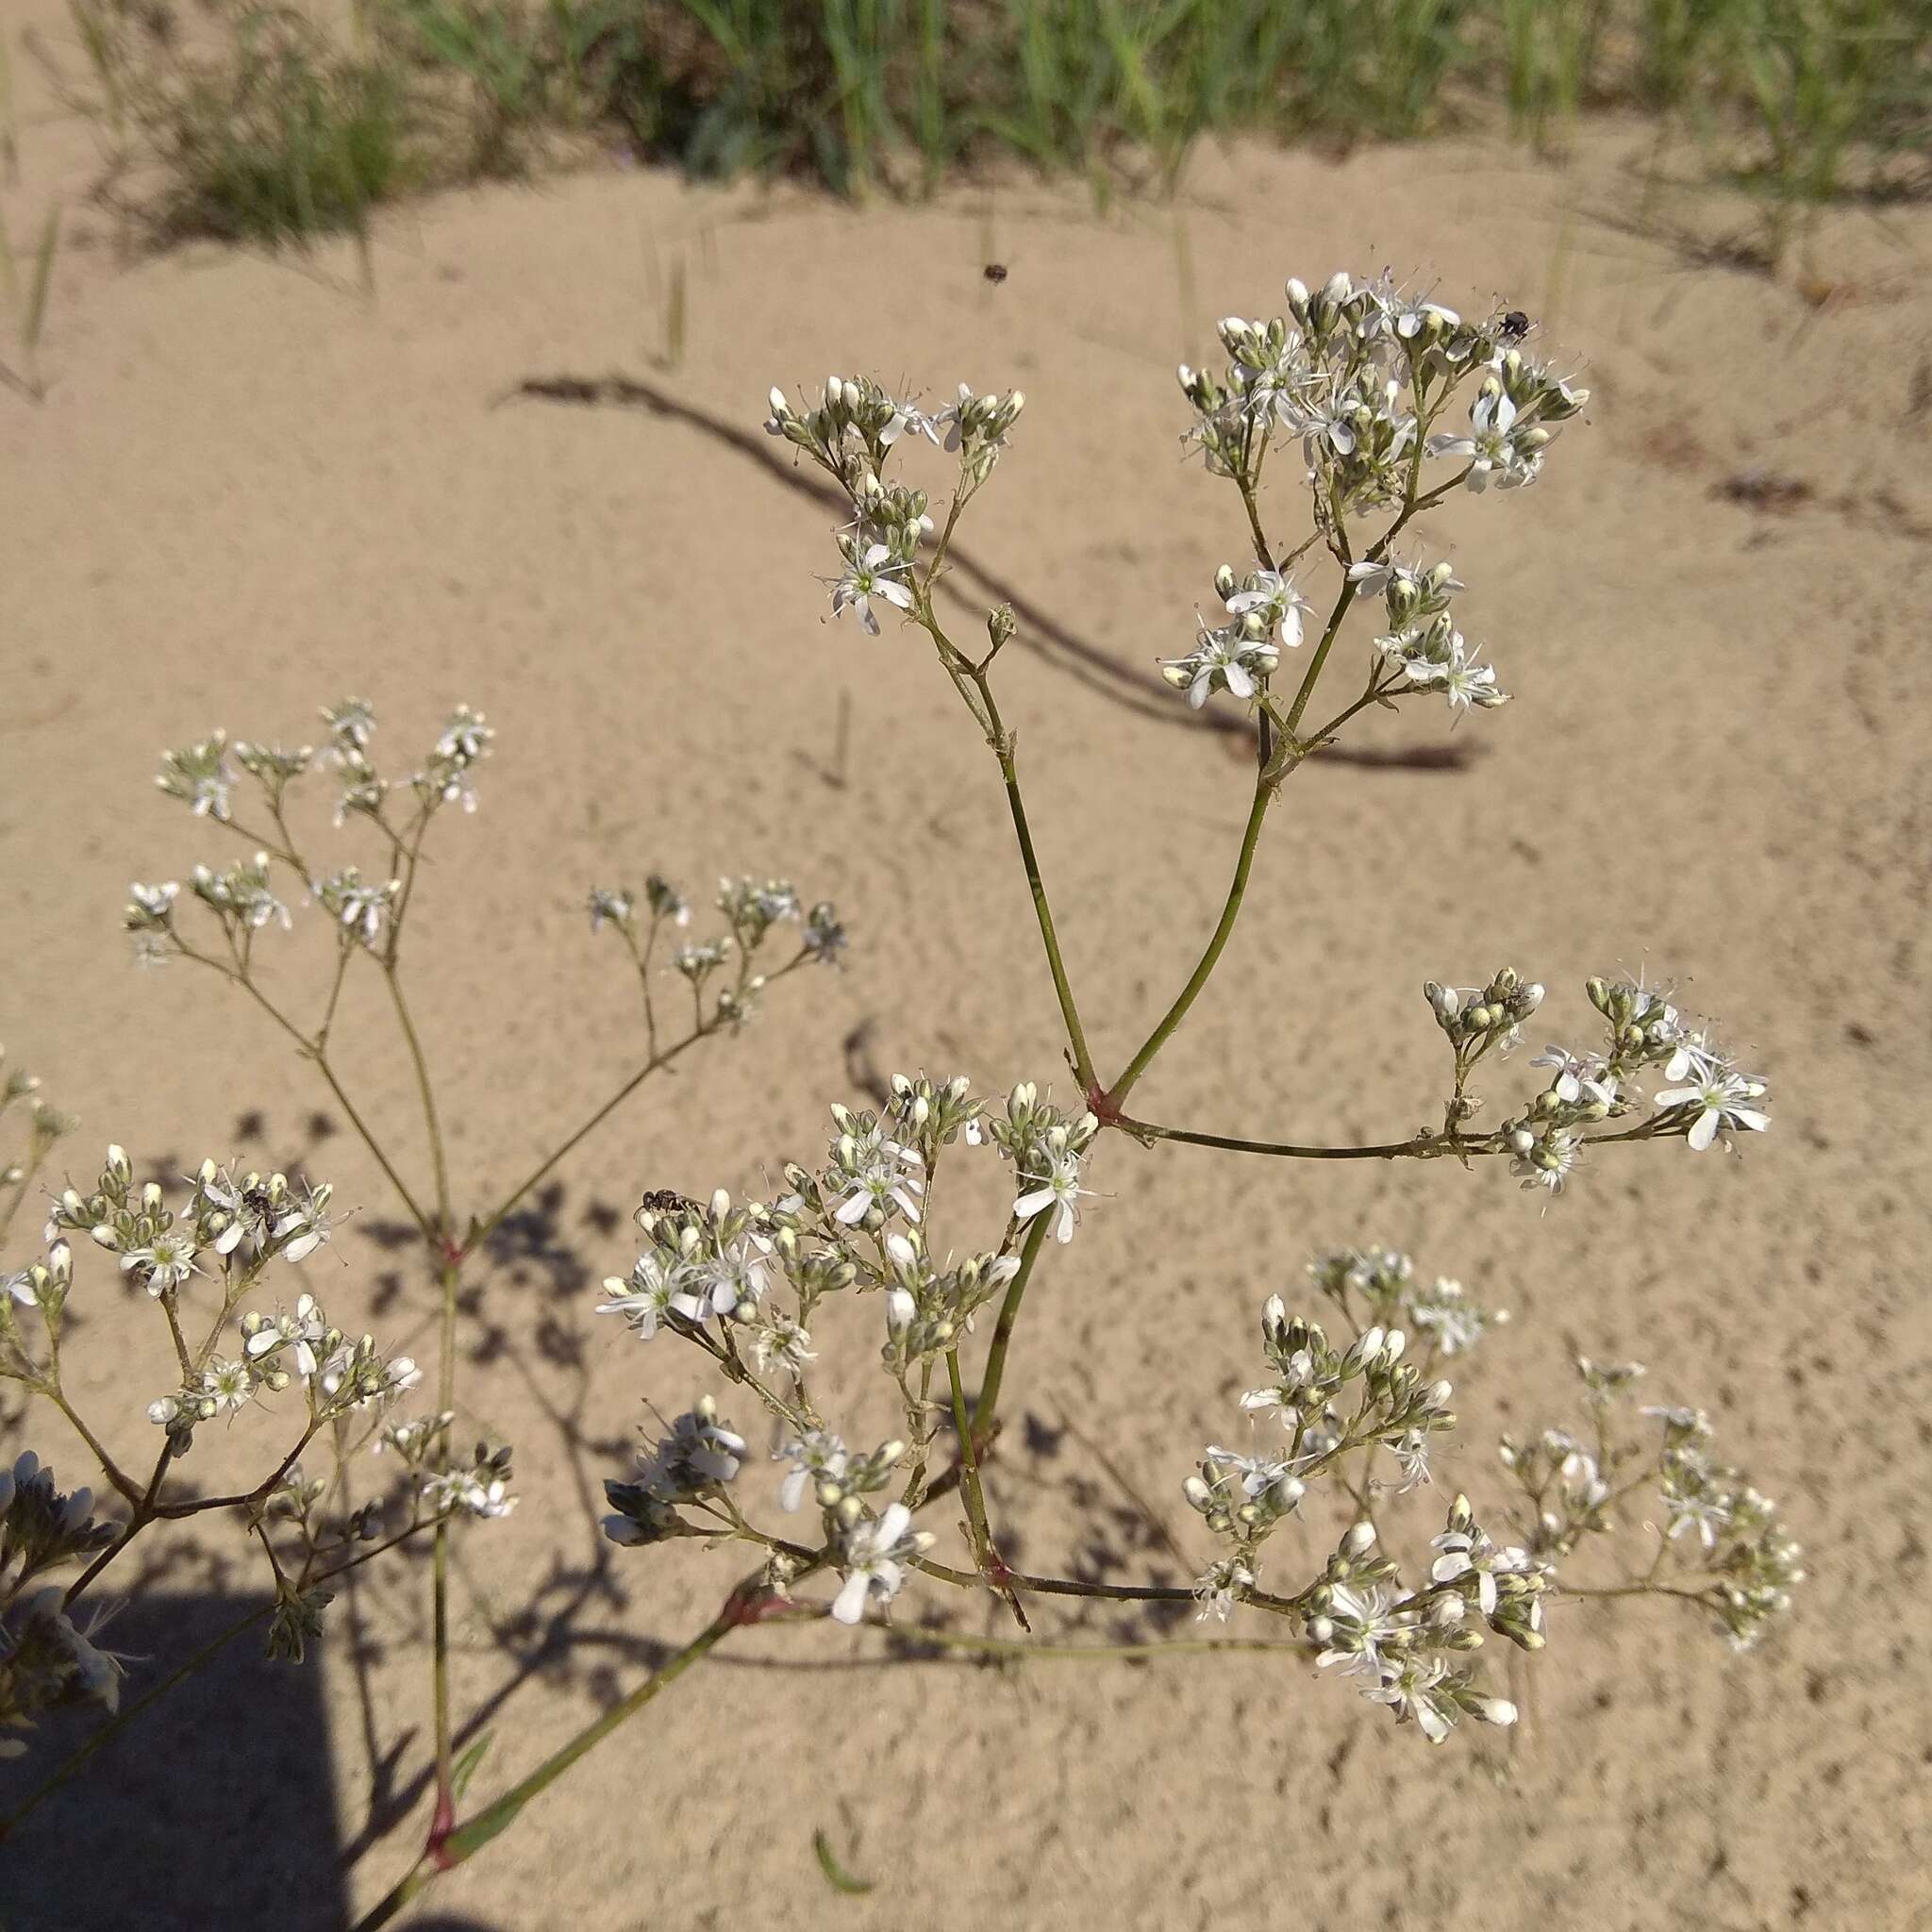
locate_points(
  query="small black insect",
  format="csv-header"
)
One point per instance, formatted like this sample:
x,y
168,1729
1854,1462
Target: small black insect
x,y
994,271
666,1201
1515,326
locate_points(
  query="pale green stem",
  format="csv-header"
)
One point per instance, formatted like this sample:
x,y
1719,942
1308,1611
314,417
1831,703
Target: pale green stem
x,y
988,1400
702,1031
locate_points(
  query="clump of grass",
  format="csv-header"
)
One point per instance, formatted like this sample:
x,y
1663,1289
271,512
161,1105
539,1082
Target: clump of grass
x,y
274,133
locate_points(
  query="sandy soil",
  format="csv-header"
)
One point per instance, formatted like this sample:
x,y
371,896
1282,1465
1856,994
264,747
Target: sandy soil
x,y
251,489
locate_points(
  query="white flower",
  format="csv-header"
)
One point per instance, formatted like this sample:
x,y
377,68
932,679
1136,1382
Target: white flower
x,y
305,1225
1490,448
154,902
647,1298
781,1342
1578,1078
1695,1055
1549,1162
871,573
166,1263
1354,1629
1720,1095
1220,1586
1278,603
1411,1453
873,1561
231,1383
351,724
359,908
300,1332
21,1287
815,1454
1411,1686
882,1175
468,1492
1465,683
1059,1189
99,1672
1260,1475
617,907
1223,659
1706,1511
1466,1553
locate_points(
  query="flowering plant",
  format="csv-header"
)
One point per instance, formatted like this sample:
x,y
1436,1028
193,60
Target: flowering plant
x,y
1318,1518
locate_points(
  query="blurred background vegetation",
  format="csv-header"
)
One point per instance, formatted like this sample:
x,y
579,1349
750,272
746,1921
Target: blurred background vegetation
x,y
251,122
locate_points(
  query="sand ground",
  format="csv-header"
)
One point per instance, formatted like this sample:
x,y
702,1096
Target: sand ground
x,y
252,490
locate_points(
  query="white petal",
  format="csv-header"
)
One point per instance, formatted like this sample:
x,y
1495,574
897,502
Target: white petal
x,y
849,1606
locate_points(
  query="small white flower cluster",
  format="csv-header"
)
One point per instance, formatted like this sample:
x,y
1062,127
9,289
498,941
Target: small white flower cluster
x,y
359,908
462,746
1431,654
448,1486
203,778
872,1550
701,1262
1241,657
618,906
1359,370
246,1220
1409,1648
338,1372
200,776
851,435
752,907
1449,1318
481,1489
243,897
1710,1095
1739,1561
45,1659
714,1276
1046,1146
694,1460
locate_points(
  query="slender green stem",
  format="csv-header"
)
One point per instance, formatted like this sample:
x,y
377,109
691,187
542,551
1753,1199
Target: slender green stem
x,y
1103,1593
1231,911
256,1496
1424,1146
1330,632
658,1060
458,1843
1002,749
988,1400
969,1468
124,1483
450,1276
344,949
425,1092
311,1051
1025,1647
1262,555
144,1514
1391,1150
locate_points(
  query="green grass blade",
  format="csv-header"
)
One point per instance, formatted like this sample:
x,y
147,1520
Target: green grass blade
x,y
836,1875
42,280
